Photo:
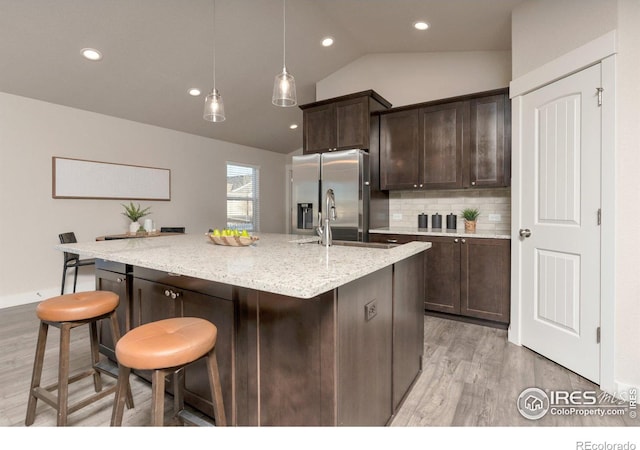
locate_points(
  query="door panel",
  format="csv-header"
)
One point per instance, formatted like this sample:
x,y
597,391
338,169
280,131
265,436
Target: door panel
x,y
560,261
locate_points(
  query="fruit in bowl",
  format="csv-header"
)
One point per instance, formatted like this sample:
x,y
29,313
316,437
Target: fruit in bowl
x,y
232,237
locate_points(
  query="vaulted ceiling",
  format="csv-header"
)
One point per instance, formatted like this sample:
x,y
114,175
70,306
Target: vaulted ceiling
x,y
155,50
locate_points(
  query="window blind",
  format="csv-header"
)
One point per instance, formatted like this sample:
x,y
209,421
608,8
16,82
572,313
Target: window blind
x,y
243,197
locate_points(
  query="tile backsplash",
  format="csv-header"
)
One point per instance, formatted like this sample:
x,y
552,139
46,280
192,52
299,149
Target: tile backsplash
x,y
404,207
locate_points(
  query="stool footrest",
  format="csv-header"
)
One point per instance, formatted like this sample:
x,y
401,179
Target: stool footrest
x,y
192,419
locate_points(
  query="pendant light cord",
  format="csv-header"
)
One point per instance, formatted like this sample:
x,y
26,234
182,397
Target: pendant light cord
x,y
284,34
214,45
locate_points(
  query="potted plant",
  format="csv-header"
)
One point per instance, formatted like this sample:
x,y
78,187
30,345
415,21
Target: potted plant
x,y
470,216
135,213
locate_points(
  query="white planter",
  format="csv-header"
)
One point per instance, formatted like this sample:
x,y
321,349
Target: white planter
x,y
134,227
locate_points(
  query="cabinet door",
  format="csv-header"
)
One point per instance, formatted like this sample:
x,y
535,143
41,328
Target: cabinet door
x,y
485,270
319,132
442,131
352,124
220,312
442,275
114,282
151,302
399,150
488,158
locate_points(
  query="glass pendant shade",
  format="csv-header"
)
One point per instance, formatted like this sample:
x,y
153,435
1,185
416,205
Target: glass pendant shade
x,y
214,107
284,89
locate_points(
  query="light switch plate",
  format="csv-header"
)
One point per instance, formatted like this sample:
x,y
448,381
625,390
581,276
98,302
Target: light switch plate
x,y
494,217
397,216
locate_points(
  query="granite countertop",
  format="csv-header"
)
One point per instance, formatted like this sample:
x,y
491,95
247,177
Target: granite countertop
x,y
439,232
278,263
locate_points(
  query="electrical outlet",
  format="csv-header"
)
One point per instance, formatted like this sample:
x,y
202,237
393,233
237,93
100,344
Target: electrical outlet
x,y
494,217
397,216
370,310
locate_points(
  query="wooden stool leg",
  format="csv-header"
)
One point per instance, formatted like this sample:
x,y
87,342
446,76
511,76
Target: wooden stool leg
x,y
95,355
115,331
122,389
216,389
63,374
178,391
37,373
157,397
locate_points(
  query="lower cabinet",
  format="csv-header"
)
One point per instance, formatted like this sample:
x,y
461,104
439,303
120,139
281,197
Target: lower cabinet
x,y
158,295
113,277
464,276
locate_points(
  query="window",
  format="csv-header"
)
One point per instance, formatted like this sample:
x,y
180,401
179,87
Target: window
x,y
243,205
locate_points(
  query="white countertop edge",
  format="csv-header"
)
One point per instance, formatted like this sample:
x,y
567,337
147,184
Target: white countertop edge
x,y
306,284
431,232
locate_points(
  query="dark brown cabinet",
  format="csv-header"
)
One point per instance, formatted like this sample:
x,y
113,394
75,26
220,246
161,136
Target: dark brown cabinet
x,y
449,144
464,276
340,123
158,295
113,277
489,162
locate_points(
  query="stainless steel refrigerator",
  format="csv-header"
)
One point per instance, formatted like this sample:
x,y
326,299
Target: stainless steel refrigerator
x,y
347,172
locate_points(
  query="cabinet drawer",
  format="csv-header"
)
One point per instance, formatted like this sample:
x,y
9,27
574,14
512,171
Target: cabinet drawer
x,y
220,290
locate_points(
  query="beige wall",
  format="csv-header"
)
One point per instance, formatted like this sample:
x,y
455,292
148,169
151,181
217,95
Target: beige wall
x,y
546,29
406,78
543,30
31,132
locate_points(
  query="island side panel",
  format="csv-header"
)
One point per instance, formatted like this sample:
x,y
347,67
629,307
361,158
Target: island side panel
x,y
285,360
364,350
408,324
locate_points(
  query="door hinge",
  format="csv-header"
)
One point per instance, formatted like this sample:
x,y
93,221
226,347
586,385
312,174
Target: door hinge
x,y
599,95
598,335
599,216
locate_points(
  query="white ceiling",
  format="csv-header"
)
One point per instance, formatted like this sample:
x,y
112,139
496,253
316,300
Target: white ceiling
x,y
154,50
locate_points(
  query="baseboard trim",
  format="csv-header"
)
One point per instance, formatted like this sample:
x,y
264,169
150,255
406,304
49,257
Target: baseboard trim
x,y
473,320
24,298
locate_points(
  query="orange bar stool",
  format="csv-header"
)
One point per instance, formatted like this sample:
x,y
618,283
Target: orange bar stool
x,y
67,312
165,347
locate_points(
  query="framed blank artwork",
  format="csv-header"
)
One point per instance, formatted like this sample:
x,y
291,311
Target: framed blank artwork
x,y
78,178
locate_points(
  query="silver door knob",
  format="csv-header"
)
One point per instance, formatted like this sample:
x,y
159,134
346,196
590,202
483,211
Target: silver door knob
x,y
525,232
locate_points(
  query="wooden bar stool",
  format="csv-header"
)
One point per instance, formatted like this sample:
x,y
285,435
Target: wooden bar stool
x,y
166,347
67,312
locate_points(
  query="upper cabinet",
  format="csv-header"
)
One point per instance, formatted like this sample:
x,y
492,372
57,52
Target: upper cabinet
x,y
340,123
450,144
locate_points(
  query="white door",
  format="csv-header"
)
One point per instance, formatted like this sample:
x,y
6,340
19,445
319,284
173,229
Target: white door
x,y
559,229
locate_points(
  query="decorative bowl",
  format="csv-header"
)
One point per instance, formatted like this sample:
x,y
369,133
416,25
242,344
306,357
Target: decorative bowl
x,y
233,241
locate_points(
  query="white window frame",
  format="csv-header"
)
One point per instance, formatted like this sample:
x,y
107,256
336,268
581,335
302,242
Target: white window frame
x,y
254,225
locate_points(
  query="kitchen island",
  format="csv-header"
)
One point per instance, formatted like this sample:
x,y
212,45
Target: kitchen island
x,y
308,335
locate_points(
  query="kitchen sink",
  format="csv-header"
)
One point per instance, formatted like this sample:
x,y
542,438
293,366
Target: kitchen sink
x,y
365,244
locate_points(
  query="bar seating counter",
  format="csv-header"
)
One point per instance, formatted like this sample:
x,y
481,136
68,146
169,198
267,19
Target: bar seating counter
x,y
307,335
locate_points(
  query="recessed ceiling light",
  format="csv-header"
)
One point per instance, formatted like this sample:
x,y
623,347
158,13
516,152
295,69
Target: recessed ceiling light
x,y
194,92
91,54
421,25
327,42
293,126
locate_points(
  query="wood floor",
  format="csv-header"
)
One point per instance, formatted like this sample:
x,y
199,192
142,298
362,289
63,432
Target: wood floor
x,y
472,377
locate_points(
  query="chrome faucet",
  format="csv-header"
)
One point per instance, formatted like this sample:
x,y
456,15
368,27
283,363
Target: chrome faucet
x,y
330,214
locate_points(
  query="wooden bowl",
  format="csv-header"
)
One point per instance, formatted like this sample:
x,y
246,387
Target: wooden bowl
x,y
233,241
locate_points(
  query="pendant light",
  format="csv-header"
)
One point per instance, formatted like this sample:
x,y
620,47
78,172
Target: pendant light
x,y
213,104
284,86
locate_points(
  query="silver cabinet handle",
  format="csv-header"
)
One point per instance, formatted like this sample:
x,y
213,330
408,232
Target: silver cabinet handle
x,y
456,240
420,185
415,185
473,183
167,293
119,280
464,241
392,241
525,232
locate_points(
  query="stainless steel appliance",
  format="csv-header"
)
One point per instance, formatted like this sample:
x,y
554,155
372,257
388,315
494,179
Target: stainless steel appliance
x,y
347,173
